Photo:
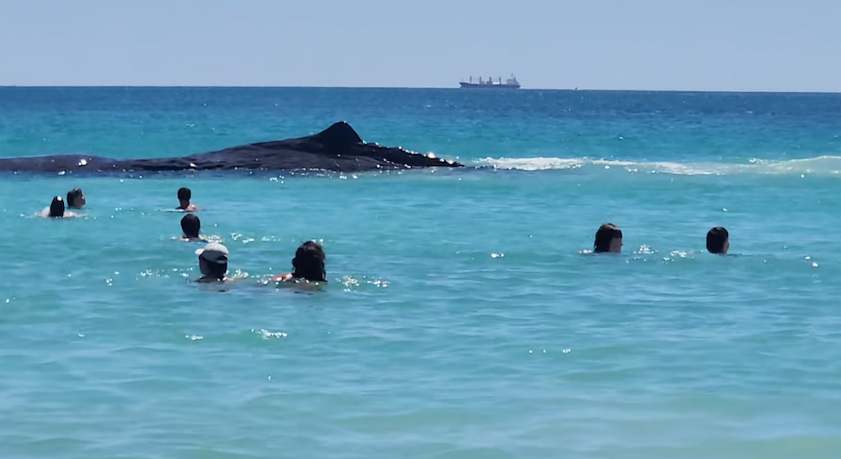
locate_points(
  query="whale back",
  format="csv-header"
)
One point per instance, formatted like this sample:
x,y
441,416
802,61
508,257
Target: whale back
x,y
337,148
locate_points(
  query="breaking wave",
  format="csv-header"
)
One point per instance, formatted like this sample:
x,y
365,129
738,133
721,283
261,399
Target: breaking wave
x,y
821,165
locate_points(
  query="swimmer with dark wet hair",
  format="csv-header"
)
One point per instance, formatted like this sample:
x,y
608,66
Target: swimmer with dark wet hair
x,y
718,240
184,196
608,239
76,199
191,227
57,210
307,266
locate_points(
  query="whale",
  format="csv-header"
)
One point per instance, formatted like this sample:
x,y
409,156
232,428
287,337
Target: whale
x,y
336,149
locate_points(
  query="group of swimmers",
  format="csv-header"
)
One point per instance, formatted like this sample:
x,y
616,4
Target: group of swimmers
x,y
609,240
309,262
308,265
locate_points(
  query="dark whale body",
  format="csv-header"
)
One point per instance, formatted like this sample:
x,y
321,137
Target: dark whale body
x,y
338,148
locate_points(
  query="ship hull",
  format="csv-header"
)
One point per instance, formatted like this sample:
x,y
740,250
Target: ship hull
x,y
489,86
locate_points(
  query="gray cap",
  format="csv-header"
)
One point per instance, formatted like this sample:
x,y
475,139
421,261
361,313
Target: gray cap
x,y
214,253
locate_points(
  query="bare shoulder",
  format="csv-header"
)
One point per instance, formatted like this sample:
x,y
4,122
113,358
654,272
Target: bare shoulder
x,y
285,277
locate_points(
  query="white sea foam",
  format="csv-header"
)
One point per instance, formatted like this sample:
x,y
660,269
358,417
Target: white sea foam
x,y
821,165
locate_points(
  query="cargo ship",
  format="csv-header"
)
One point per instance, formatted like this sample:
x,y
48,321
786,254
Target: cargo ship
x,y
510,83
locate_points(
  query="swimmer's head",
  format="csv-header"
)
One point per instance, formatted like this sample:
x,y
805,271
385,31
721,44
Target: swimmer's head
x,y
718,240
213,260
608,239
191,225
57,207
75,198
309,262
184,194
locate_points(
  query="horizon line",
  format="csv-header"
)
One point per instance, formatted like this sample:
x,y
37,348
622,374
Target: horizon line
x,y
235,86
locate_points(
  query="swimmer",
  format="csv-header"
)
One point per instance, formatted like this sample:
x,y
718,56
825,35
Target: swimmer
x,y
57,210
213,263
76,199
718,240
608,239
307,266
184,196
191,225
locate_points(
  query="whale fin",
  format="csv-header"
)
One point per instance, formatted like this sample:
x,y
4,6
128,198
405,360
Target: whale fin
x,y
339,135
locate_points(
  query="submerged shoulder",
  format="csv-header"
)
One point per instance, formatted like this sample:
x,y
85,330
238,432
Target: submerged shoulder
x,y
285,277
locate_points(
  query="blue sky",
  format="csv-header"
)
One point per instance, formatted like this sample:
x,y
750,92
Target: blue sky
x,y
590,44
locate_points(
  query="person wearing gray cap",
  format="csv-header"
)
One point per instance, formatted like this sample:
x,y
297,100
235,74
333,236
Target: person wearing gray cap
x,y
213,262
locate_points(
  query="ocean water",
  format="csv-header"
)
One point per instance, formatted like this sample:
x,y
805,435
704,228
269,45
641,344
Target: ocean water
x,y
460,320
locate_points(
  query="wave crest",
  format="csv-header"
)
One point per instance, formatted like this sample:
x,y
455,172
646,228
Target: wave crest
x,y
820,165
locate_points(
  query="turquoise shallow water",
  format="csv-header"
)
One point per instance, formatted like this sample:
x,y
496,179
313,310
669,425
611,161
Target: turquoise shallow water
x,y
460,320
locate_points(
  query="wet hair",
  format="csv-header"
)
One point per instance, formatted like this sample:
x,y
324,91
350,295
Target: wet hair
x,y
57,207
716,238
604,235
191,225
309,262
216,270
72,195
184,194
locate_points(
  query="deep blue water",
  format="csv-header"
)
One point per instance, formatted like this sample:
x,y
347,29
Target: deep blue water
x,y
461,321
